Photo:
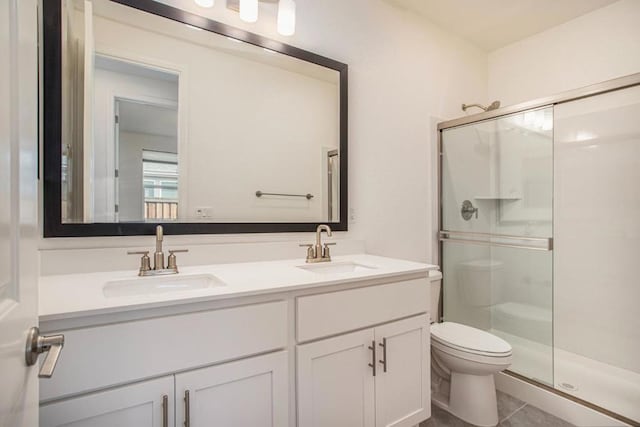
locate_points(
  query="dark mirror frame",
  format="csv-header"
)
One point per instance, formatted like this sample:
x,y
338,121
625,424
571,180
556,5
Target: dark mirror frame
x,y
52,132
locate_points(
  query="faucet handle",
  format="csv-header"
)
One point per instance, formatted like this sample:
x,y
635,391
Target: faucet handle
x,y
145,261
172,260
325,251
311,253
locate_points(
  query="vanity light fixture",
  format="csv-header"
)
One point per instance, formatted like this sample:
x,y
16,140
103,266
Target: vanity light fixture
x,y
248,10
287,17
204,3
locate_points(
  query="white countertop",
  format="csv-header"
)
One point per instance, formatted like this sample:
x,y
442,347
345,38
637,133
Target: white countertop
x,y
77,295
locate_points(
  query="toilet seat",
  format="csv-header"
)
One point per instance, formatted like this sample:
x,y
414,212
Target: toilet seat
x,y
460,340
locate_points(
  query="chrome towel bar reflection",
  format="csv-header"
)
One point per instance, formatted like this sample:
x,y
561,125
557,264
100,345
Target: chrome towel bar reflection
x,y
502,240
308,196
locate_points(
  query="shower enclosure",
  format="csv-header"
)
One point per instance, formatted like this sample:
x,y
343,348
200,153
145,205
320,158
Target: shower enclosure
x,y
540,234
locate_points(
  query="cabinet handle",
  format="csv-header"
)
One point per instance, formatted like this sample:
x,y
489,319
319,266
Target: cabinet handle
x,y
372,347
165,411
187,416
383,344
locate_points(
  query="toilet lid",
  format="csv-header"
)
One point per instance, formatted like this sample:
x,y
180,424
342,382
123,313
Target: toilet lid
x,y
469,339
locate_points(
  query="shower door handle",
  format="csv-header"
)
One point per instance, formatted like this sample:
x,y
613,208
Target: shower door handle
x,y
502,240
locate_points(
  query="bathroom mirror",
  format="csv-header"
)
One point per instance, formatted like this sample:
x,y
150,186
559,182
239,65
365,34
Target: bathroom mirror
x,y
155,115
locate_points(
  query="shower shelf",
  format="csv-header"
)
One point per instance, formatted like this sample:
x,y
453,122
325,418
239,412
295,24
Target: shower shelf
x,y
497,197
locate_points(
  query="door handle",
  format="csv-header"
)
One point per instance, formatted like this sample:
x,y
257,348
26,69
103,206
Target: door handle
x,y
38,344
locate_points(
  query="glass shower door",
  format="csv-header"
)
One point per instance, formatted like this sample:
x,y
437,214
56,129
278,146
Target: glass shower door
x,y
596,321
496,195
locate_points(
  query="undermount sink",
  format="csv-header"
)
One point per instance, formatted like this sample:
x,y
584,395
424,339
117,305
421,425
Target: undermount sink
x,y
160,285
336,267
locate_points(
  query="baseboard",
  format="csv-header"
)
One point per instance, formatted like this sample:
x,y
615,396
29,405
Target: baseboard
x,y
554,404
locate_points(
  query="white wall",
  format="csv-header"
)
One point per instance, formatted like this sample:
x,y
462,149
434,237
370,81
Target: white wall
x,y
402,74
598,46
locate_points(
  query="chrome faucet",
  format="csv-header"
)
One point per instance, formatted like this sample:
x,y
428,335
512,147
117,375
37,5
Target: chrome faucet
x,y
158,258
319,252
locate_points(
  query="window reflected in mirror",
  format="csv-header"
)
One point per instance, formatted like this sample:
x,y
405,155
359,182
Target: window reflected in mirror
x,y
160,183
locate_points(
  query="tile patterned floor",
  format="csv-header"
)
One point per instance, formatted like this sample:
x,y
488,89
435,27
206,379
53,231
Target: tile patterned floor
x,y
511,412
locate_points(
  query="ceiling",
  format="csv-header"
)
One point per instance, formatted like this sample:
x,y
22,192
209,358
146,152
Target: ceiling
x,y
492,24
149,119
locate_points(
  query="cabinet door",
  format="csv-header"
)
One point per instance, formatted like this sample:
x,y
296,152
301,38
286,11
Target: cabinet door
x,y
251,392
403,392
136,405
335,382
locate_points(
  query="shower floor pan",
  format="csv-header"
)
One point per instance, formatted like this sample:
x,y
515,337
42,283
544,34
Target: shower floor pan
x,y
604,385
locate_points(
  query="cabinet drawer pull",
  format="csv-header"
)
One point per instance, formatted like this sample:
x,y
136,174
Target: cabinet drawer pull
x,y
383,344
187,416
165,411
372,347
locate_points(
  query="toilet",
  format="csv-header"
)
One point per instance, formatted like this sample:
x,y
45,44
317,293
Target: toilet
x,y
463,363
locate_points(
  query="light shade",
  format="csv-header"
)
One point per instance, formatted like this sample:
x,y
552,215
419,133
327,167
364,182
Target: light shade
x,y
287,17
204,3
249,10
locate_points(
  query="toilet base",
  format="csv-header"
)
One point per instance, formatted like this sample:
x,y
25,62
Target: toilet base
x,y
472,398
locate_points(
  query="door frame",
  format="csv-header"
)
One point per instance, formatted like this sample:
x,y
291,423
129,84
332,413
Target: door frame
x,y
115,137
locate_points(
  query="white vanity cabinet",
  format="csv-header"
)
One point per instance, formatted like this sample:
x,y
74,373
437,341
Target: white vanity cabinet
x,y
300,356
98,360
335,383
403,393
374,377
145,404
251,392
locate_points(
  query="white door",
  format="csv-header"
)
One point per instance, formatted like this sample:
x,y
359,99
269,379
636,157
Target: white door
x,y
251,392
145,404
18,209
336,383
402,381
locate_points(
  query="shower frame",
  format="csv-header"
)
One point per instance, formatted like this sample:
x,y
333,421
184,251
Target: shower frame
x,y
550,101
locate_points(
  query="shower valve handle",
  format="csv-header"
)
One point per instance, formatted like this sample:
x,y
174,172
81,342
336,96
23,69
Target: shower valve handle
x,y
467,210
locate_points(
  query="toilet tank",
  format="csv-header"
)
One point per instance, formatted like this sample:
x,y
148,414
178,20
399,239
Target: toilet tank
x,y
435,277
480,282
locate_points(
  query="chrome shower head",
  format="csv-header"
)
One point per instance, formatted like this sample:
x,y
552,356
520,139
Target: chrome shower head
x,y
493,106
